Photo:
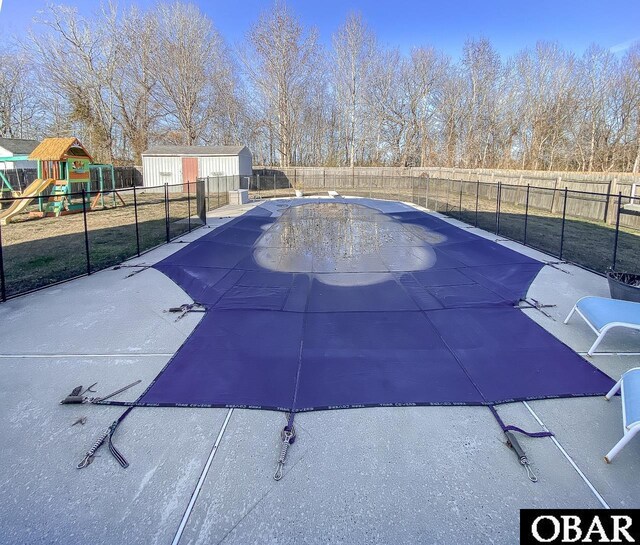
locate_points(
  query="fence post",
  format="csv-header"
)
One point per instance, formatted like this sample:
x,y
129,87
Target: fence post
x,y
274,185
615,243
434,192
564,216
426,191
86,229
166,212
609,218
189,205
384,191
446,204
460,202
606,202
553,195
135,213
477,198
498,190
208,205
526,215
3,289
218,188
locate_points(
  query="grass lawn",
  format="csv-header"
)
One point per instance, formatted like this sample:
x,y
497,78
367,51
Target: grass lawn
x,y
39,252
587,243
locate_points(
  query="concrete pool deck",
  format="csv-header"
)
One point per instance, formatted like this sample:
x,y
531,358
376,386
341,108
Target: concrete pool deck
x,y
379,475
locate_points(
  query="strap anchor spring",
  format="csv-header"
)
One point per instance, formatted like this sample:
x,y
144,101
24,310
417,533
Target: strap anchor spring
x,y
532,476
288,437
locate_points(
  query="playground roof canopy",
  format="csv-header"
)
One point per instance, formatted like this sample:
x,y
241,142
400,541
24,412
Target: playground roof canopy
x,y
194,150
57,149
17,146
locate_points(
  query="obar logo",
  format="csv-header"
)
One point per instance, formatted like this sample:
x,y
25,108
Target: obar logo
x,y
579,526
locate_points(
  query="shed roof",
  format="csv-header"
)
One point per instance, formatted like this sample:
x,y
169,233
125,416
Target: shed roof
x,y
18,146
57,149
194,150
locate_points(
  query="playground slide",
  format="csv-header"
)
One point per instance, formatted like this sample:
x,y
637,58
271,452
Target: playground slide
x,y
32,190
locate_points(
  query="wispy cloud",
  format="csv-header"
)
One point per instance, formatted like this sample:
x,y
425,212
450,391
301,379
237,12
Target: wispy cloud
x,y
623,46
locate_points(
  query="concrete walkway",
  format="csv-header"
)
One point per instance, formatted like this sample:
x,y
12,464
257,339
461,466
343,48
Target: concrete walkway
x,y
381,475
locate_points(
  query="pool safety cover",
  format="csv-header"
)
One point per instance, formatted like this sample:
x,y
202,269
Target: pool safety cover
x,y
341,303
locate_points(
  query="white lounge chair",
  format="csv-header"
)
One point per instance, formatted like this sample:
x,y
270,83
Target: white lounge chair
x,y
603,314
630,385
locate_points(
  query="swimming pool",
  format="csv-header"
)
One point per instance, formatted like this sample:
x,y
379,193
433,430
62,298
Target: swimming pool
x,y
341,303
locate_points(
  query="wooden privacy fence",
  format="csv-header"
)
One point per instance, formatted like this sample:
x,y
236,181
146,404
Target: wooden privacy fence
x,y
592,193
599,182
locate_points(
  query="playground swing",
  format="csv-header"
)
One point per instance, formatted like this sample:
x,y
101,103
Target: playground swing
x,y
102,189
5,184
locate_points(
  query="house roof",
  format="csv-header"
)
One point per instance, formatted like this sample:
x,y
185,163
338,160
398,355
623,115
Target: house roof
x,y
57,149
193,150
18,146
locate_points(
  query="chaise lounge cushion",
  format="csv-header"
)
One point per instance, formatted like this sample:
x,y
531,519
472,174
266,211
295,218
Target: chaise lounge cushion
x,y
631,398
601,311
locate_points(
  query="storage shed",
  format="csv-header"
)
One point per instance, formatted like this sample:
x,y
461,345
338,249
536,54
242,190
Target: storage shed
x,y
183,164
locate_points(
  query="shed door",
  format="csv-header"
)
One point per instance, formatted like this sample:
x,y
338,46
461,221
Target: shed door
x,y
189,173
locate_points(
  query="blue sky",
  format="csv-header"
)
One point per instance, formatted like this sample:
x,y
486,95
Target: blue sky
x,y
510,24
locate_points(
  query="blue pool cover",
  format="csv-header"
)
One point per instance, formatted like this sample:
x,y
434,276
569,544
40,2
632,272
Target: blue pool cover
x,y
358,303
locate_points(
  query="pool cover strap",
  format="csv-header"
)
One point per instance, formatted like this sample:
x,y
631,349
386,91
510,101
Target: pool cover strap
x,y
506,428
88,458
514,444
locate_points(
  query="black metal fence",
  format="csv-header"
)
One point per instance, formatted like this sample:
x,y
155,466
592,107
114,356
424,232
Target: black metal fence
x,y
107,229
123,177
595,230
217,189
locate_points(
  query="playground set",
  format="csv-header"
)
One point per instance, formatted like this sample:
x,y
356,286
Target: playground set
x,y
64,171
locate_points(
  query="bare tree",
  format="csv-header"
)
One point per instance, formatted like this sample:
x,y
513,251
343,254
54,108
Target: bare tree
x,y
385,107
421,80
135,78
482,69
281,62
449,111
191,67
21,114
353,48
546,103
630,131
76,58
125,78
